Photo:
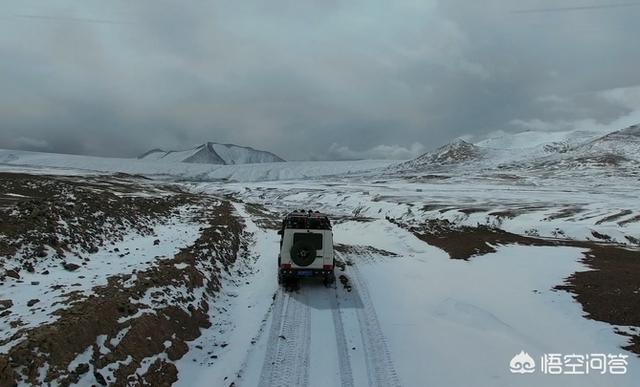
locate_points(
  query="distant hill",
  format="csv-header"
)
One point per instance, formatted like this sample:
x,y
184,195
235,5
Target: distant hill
x,y
535,150
213,153
455,152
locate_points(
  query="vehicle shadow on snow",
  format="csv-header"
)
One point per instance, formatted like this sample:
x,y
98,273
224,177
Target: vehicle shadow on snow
x,y
316,295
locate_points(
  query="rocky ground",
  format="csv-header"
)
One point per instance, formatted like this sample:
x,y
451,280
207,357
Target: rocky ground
x,y
609,291
123,329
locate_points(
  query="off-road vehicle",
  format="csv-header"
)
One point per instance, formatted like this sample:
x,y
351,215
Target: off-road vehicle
x,y
306,247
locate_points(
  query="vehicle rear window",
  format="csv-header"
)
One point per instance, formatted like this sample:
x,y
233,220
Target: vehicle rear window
x,y
310,238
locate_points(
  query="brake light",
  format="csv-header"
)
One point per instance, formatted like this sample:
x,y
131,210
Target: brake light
x,y
286,266
327,267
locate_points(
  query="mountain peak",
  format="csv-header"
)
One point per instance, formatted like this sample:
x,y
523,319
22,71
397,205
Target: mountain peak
x,y
459,141
213,153
457,151
454,152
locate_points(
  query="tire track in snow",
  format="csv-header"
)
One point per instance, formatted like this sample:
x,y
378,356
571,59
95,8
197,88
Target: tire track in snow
x,y
344,360
287,359
380,368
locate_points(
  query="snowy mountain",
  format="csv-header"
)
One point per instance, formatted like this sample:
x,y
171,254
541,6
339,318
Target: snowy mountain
x,y
619,149
54,163
536,150
456,152
622,143
213,153
548,142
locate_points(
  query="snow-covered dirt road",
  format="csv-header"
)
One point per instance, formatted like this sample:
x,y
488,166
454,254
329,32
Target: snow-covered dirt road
x,y
409,315
326,336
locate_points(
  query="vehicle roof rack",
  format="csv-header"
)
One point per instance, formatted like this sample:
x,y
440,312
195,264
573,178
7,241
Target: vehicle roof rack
x,y
308,219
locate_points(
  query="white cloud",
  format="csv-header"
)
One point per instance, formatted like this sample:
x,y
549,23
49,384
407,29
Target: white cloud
x,y
628,97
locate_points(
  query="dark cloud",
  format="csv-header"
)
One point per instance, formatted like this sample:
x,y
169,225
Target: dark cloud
x,y
578,8
307,79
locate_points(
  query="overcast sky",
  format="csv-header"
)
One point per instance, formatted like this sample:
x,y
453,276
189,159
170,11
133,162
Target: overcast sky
x,y
310,79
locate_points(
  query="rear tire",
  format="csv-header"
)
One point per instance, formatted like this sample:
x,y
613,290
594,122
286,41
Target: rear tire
x,y
329,279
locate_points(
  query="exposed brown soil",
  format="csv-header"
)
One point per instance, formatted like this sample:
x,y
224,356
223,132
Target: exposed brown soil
x,y
74,215
337,219
362,250
634,241
606,160
141,315
610,291
471,210
565,213
514,212
432,207
506,214
615,216
264,218
630,220
464,242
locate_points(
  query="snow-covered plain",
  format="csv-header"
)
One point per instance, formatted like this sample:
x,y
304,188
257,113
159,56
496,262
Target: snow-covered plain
x,y
573,210
457,323
53,163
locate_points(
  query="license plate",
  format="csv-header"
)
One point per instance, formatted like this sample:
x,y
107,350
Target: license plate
x,y
305,273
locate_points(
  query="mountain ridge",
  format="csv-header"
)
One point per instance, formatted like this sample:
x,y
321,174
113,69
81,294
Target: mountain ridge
x,y
213,153
531,150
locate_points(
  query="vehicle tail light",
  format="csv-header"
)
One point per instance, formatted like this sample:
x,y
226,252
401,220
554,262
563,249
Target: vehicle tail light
x,y
327,267
286,266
